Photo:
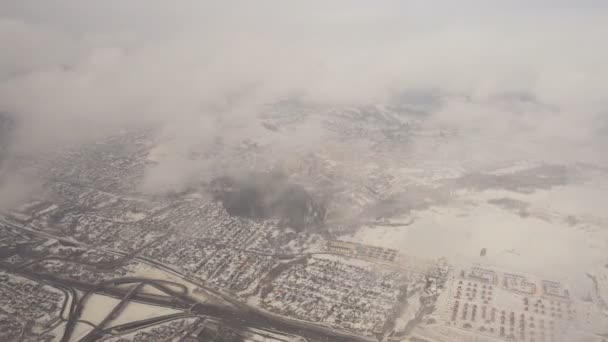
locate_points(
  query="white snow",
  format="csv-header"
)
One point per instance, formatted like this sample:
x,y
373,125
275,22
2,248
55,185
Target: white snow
x,y
97,307
138,311
544,245
80,330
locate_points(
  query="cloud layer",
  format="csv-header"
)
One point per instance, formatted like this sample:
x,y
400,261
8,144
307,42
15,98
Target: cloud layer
x,y
71,70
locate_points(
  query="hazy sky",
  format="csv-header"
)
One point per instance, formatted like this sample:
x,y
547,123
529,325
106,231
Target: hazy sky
x,y
68,66
527,72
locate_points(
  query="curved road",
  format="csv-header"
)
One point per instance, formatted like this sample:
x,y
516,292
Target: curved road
x,y
239,314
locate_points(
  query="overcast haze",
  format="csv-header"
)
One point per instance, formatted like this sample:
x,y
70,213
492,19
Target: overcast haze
x,y
534,74
79,63
436,129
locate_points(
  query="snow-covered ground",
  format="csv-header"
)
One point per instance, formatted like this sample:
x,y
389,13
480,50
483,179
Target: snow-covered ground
x,y
543,242
80,331
97,307
138,311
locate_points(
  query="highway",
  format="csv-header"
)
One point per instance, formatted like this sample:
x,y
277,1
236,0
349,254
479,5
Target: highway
x,y
233,317
236,314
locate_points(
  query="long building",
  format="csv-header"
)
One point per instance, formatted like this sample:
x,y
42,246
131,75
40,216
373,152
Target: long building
x,y
361,251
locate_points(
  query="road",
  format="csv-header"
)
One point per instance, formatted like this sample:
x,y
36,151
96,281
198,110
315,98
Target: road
x,y
236,314
234,317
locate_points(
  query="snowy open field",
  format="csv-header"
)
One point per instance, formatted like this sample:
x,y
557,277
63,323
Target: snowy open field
x,y
562,234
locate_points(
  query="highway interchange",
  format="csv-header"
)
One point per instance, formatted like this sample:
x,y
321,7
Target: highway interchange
x,y
235,314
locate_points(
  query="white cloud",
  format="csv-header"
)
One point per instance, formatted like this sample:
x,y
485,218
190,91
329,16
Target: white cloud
x,y
71,66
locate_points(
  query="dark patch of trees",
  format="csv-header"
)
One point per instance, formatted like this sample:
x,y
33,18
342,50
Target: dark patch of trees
x,y
261,196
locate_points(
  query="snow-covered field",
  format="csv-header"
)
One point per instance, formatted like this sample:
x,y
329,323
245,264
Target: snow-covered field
x,y
138,311
97,307
562,235
80,331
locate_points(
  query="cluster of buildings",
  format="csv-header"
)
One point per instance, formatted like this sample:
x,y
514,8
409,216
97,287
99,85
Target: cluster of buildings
x,y
92,196
512,307
116,164
361,251
332,293
28,301
200,240
79,272
178,329
211,263
10,327
518,283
